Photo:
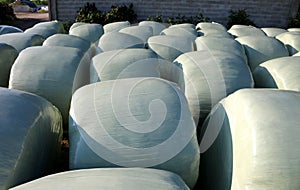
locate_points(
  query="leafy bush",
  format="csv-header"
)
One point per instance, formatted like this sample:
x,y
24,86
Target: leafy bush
x,y
6,13
295,22
90,14
157,18
239,17
181,19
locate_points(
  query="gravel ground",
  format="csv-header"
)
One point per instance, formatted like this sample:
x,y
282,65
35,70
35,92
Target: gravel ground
x,y
27,19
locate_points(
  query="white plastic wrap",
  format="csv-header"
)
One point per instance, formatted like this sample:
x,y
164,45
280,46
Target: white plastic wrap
x,y
262,48
117,40
156,26
8,54
55,25
30,137
272,32
282,73
108,179
21,41
125,63
209,76
253,136
293,29
210,25
222,44
89,32
141,32
183,25
5,29
42,31
115,26
52,72
242,30
291,40
170,47
136,122
214,33
180,31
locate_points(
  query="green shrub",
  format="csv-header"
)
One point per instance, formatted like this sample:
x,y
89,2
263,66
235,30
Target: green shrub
x,y
239,17
6,13
295,22
90,14
192,19
157,18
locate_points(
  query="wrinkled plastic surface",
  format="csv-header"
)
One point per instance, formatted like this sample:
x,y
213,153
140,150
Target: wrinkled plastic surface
x,y
108,179
117,40
21,41
42,31
264,126
125,63
136,122
222,44
30,137
214,33
291,40
242,30
115,26
209,76
89,32
55,25
51,72
170,47
272,32
8,55
183,25
141,32
180,31
156,26
262,48
5,29
282,73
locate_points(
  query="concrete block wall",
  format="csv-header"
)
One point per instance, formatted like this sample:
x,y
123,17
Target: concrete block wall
x,y
265,13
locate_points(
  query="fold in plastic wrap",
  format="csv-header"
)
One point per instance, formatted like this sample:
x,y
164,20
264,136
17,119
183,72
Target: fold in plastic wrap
x,y
115,26
210,25
223,44
244,30
8,55
214,33
108,179
291,40
272,32
156,26
170,47
136,122
30,137
180,31
282,73
141,32
262,48
51,72
251,138
125,63
209,76
5,29
117,40
20,41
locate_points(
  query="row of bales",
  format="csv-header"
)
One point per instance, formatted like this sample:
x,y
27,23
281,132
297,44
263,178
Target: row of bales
x,y
149,105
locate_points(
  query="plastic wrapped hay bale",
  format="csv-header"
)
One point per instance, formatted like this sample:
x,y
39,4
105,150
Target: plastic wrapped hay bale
x,y
115,26
76,24
156,26
45,32
262,48
214,33
5,29
54,25
170,71
180,31
170,47
117,40
55,75
272,32
242,30
21,41
65,40
255,141
124,63
210,25
209,76
293,29
124,123
30,137
8,55
109,179
141,32
183,25
282,73
222,44
291,40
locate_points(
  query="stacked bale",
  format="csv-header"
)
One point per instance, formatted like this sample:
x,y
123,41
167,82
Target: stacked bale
x,y
243,30
291,40
115,26
8,55
5,29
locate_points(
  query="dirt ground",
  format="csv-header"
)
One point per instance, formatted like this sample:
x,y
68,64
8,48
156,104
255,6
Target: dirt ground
x,y
27,19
